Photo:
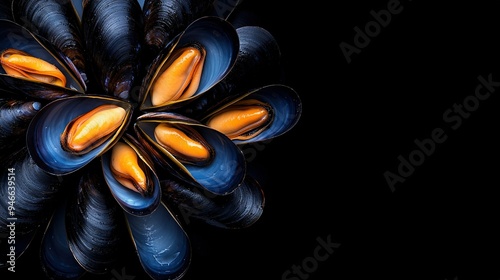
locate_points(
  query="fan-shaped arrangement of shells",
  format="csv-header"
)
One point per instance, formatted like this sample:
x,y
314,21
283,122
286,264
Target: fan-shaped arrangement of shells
x,y
117,114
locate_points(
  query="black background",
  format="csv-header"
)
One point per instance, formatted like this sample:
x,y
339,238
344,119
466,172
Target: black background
x,y
325,178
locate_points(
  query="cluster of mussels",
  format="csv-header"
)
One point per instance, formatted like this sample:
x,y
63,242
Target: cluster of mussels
x,y
117,114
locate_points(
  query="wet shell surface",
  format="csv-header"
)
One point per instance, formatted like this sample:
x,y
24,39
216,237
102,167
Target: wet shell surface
x,y
162,255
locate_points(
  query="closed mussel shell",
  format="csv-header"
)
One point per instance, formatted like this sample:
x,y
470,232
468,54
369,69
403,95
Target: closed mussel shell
x,y
29,193
132,201
240,209
220,172
15,116
112,31
94,223
218,43
164,19
56,259
43,137
17,38
162,245
258,63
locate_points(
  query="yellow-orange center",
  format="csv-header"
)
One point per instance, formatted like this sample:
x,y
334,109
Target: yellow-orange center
x,y
181,78
238,119
92,128
126,169
174,139
20,64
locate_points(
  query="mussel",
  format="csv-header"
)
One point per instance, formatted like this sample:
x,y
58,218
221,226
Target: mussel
x,y
86,230
26,58
181,77
33,190
70,132
240,209
258,115
17,63
90,129
15,115
56,21
162,245
242,119
257,65
191,64
130,175
114,138
164,19
94,223
219,170
112,31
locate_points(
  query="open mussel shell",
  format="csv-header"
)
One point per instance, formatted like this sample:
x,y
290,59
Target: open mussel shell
x,y
45,129
162,245
58,22
56,259
284,108
257,65
239,209
132,201
19,38
221,174
216,37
